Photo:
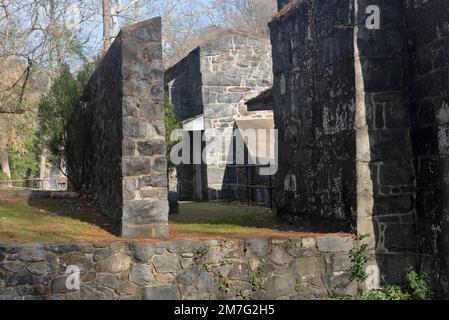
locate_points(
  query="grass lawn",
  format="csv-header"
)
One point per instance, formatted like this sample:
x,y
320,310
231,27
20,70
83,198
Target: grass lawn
x,y
51,220
216,219
68,220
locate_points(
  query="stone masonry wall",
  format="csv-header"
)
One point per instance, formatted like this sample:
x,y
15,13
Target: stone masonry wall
x,y
385,171
126,168
314,95
183,83
235,68
228,72
342,110
303,268
390,98
428,39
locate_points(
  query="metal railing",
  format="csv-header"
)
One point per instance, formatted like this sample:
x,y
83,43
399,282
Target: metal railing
x,y
59,184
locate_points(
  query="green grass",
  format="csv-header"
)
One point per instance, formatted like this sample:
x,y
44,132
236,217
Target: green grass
x,y
62,220
215,219
50,221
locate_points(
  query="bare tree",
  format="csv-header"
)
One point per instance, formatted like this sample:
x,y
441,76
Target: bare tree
x,y
106,25
35,39
251,16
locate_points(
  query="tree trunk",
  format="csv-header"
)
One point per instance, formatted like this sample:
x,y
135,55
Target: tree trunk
x,y
6,169
106,25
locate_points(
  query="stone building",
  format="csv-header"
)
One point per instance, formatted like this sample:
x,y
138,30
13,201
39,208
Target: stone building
x,y
209,88
363,122
118,136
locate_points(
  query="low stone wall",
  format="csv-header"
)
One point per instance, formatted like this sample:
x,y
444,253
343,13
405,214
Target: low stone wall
x,y
300,268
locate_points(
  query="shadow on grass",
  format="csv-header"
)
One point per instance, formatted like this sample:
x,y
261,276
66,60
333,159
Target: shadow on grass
x,y
74,208
215,214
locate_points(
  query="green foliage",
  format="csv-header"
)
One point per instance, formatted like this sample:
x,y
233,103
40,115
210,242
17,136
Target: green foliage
x,y
359,260
24,161
24,165
171,124
3,176
255,281
417,288
418,285
56,110
388,293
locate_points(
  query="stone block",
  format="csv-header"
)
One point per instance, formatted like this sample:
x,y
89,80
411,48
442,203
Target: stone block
x,y
163,292
152,111
40,268
59,285
280,256
114,264
156,181
144,252
101,254
142,275
145,211
189,276
258,247
334,244
136,166
151,147
32,254
168,263
280,286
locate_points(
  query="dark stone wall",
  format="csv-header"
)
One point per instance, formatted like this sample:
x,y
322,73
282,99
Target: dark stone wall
x,y
314,97
363,123
385,170
184,84
102,119
428,39
121,130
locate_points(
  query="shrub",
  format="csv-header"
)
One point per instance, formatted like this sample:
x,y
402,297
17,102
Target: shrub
x,y
418,285
417,288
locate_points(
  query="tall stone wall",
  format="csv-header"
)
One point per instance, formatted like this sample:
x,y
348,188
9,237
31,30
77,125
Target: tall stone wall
x,y
314,91
184,85
386,90
346,156
428,37
302,268
121,129
386,186
229,71
235,69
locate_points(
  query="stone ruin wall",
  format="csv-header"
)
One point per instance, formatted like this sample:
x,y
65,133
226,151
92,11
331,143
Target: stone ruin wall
x,y
122,129
428,39
183,84
300,268
362,115
217,79
314,95
235,69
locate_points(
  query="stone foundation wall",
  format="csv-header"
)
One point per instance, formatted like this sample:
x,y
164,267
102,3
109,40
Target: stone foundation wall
x,y
303,268
121,131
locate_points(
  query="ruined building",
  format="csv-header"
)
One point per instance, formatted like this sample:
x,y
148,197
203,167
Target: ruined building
x,y
363,122
118,137
209,89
